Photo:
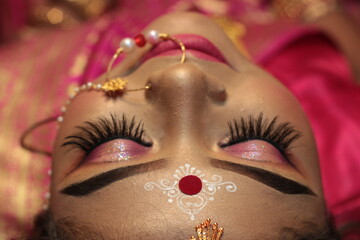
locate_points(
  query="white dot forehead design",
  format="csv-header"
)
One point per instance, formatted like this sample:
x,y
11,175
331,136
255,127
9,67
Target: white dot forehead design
x,y
190,204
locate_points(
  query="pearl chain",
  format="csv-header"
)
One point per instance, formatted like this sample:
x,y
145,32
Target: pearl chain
x,y
113,85
126,45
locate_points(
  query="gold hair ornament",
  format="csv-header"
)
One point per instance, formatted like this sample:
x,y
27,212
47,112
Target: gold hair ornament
x,y
208,231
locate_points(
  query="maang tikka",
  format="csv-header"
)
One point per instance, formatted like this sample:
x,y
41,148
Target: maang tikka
x,y
111,85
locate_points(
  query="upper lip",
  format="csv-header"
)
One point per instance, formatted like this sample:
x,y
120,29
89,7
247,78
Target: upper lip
x,y
192,42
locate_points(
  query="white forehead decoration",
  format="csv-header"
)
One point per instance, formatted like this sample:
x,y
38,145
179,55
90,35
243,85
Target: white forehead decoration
x,y
190,190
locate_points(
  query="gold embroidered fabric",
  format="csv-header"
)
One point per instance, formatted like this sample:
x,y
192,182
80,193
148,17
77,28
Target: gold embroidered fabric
x,y
34,75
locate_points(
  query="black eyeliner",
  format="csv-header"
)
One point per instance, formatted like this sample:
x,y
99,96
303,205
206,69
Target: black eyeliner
x,y
101,180
273,180
266,177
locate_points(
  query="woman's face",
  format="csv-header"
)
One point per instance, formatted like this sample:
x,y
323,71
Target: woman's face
x,y
255,179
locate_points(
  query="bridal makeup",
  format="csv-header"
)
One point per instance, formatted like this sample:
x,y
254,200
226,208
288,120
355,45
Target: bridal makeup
x,y
116,150
173,154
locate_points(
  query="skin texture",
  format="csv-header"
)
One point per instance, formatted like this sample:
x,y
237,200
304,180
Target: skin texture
x,y
185,116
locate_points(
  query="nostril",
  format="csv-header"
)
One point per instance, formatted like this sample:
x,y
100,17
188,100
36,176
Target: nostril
x,y
216,90
154,85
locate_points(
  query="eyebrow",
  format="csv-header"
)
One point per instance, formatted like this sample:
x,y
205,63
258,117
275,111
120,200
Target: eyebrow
x,y
273,180
101,180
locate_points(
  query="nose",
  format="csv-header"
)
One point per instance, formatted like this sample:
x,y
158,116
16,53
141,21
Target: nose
x,y
183,95
184,87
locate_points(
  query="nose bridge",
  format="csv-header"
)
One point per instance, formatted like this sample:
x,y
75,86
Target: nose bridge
x,y
180,88
182,95
179,94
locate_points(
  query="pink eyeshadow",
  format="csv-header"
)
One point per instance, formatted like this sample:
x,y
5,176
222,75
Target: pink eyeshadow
x,y
116,150
256,150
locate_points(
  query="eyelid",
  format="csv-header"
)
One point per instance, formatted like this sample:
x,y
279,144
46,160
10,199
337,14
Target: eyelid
x,y
256,150
92,134
116,151
279,134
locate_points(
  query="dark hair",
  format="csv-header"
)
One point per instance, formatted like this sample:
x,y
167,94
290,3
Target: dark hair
x,y
45,228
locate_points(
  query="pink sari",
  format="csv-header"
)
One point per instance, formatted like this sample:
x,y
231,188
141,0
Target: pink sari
x,y
323,84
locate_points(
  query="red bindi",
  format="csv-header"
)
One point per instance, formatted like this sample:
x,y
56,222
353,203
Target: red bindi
x,y
190,185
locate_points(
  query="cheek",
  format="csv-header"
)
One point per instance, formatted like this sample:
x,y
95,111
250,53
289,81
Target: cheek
x,y
256,88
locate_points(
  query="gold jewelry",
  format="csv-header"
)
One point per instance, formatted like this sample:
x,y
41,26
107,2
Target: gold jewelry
x,y
127,45
208,231
111,85
119,85
304,10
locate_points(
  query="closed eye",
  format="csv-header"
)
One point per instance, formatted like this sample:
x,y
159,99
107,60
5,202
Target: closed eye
x,y
256,150
92,134
279,135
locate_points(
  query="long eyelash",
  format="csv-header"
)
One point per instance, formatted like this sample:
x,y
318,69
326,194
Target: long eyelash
x,y
280,135
93,134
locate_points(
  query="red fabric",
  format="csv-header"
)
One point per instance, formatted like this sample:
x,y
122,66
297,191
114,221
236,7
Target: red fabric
x,y
315,71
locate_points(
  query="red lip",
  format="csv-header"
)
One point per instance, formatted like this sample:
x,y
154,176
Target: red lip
x,y
197,45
